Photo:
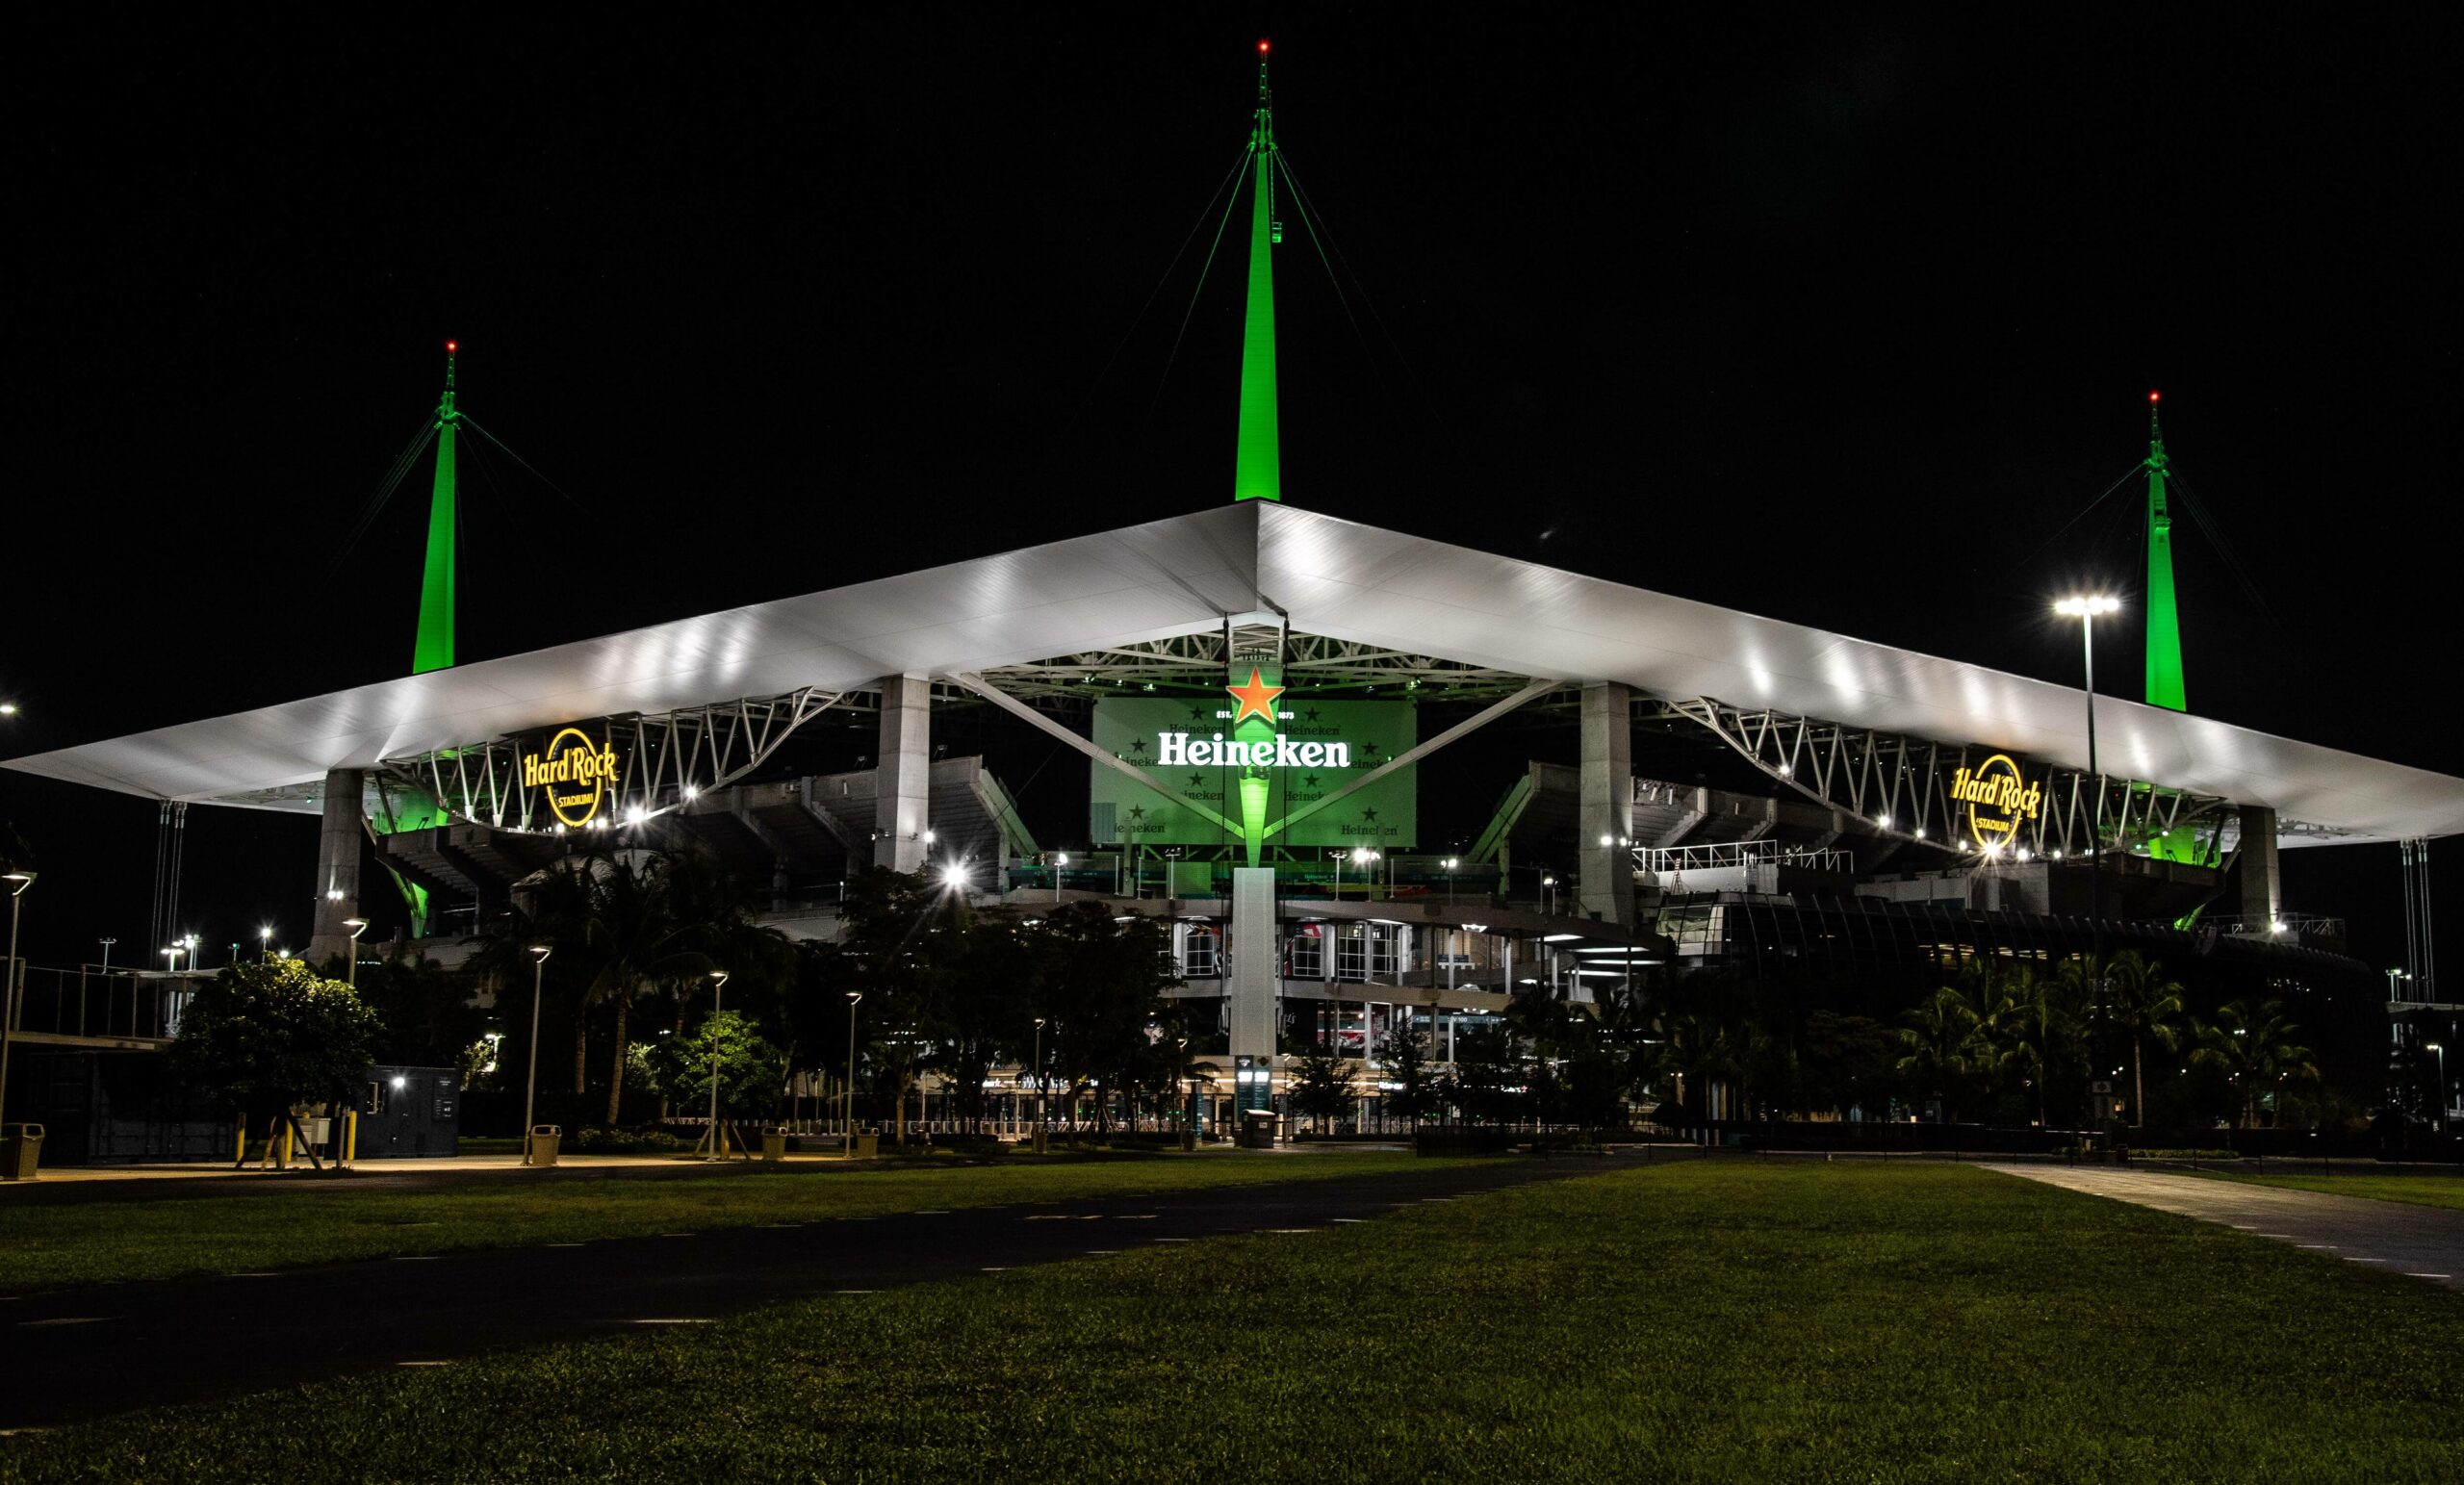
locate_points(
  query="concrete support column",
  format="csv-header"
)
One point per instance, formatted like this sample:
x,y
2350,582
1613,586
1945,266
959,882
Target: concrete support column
x,y
338,845
902,782
2262,887
1251,985
1607,808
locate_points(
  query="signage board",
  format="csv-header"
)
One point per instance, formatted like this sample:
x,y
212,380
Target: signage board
x,y
1315,748
576,778
1999,800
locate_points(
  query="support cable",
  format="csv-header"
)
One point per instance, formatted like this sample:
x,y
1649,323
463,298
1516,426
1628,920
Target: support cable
x,y
2214,530
2082,514
385,488
528,467
1308,223
1310,209
1203,270
1195,227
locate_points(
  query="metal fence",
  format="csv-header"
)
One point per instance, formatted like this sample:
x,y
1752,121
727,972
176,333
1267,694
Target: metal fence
x,y
96,1004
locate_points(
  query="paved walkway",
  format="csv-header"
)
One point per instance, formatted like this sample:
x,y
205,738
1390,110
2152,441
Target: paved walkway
x,y
87,1352
2424,1243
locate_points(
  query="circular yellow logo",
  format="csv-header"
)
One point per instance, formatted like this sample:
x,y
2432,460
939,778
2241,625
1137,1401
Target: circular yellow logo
x,y
1997,799
574,773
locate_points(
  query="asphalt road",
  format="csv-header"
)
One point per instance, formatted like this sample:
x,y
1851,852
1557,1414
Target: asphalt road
x,y
2424,1243
84,1353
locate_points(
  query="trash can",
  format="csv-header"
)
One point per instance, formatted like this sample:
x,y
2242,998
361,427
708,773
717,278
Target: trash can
x,y
540,1149
1038,1139
866,1146
774,1144
20,1151
1257,1129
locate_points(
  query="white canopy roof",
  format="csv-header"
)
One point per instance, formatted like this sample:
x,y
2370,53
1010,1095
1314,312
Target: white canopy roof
x,y
1332,578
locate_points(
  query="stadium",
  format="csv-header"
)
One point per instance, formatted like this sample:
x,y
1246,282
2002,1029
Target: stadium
x,y
1372,781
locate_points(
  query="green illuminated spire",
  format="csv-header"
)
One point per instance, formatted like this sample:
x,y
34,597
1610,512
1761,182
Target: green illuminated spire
x,y
2163,620
434,649
1259,474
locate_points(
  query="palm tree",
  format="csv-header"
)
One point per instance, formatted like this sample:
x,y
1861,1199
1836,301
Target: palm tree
x,y
2254,1047
2043,1018
1946,1045
636,941
2140,1002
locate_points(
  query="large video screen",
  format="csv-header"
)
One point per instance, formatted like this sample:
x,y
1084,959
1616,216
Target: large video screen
x,y
1318,748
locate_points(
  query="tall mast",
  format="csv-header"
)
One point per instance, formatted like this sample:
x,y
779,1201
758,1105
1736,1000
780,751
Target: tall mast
x,y
434,648
1258,475
2164,619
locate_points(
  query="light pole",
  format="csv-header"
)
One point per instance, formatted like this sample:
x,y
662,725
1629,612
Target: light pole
x,y
173,954
2441,1050
357,927
18,882
1451,863
107,955
1039,1085
847,1120
539,953
1548,895
718,989
1059,860
265,943
2085,610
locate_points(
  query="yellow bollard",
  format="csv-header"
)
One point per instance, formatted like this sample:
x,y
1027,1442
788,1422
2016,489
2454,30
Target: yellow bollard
x,y
350,1136
240,1147
283,1160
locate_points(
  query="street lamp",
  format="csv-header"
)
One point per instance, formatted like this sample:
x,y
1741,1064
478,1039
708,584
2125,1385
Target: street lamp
x,y
718,989
357,927
107,955
539,953
1039,1085
1059,860
265,943
1548,895
2085,610
1451,863
18,882
173,954
847,1119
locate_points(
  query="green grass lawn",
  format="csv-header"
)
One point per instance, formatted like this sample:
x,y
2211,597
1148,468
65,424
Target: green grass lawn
x,y
51,1246
2424,1191
1699,1321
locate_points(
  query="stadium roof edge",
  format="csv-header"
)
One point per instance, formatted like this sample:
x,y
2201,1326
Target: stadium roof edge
x,y
1339,579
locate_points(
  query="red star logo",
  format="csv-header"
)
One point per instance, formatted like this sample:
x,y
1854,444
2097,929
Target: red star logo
x,y
1256,699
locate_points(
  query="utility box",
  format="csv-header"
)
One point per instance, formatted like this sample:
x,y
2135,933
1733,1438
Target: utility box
x,y
20,1151
1257,1129
540,1150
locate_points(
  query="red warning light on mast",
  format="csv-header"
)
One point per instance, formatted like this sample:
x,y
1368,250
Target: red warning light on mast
x,y
448,347
2152,397
1262,48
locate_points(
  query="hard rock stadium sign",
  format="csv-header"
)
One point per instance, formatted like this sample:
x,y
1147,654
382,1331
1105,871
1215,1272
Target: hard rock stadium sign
x,y
1997,799
573,774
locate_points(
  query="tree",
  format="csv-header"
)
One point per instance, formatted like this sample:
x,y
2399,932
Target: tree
x,y
1945,1048
1103,982
2253,1047
267,1038
1405,1064
750,1070
1321,1085
2138,1001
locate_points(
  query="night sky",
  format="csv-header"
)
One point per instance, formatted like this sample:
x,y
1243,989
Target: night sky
x,y
1841,319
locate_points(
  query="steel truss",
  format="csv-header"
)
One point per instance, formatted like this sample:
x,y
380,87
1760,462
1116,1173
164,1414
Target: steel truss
x,y
1312,663
668,760
1900,786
